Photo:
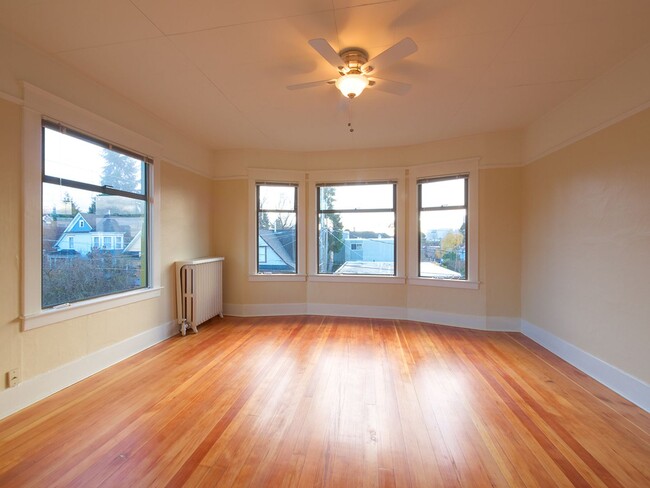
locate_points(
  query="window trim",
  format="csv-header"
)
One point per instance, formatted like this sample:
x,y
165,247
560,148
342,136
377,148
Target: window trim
x,y
39,105
320,211
258,184
281,177
441,170
420,208
393,175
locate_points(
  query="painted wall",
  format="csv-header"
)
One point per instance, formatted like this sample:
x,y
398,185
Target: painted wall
x,y
23,63
186,202
499,239
10,225
497,149
586,244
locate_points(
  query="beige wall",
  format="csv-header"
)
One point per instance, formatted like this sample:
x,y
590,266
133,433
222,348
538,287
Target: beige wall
x,y
10,228
586,244
499,234
495,150
186,203
22,63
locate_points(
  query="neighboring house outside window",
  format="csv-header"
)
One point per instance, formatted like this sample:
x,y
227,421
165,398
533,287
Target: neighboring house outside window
x,y
263,251
276,228
356,228
442,215
443,248
94,199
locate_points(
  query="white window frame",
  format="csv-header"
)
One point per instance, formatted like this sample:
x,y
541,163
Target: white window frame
x,y
39,104
440,170
359,176
280,177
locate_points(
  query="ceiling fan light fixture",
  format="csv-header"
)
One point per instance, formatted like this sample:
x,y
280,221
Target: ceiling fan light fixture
x,y
352,84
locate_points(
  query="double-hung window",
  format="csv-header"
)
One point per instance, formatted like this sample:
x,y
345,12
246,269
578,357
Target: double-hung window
x,y
442,217
356,228
95,216
277,210
443,244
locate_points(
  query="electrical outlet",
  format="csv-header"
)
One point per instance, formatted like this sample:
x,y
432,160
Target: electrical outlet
x,y
13,377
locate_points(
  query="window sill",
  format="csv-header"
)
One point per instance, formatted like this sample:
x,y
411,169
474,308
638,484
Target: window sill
x,y
276,277
87,307
471,285
392,280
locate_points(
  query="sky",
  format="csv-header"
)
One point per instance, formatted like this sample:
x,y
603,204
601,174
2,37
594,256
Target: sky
x,y
366,196
72,158
75,159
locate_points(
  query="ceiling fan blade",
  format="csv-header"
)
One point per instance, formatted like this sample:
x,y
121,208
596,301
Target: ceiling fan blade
x,y
403,48
389,86
310,84
327,51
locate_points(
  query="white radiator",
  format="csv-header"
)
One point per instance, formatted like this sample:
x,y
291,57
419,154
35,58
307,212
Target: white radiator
x,y
198,291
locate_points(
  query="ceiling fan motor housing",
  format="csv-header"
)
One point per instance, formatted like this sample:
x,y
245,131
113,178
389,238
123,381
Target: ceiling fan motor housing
x,y
354,58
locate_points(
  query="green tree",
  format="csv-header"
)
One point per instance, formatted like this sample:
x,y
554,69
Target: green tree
x,y
332,231
120,171
264,222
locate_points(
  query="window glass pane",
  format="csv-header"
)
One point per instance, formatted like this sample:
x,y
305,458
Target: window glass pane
x,y
443,193
276,242
77,262
276,197
356,243
356,197
72,158
443,239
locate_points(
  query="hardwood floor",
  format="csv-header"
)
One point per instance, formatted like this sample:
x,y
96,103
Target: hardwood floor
x,y
323,401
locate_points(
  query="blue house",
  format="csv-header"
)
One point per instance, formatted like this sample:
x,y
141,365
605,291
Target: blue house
x,y
86,233
276,251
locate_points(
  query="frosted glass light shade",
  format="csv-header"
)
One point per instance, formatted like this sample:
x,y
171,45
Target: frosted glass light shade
x,y
351,85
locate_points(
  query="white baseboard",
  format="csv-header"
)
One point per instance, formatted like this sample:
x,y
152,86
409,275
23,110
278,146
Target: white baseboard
x,y
478,322
264,309
624,384
443,318
41,386
503,324
342,310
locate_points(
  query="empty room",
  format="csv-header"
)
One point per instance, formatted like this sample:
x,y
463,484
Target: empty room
x,y
334,243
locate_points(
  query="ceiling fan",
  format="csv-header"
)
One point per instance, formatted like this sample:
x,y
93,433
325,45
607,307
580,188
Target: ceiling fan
x,y
357,72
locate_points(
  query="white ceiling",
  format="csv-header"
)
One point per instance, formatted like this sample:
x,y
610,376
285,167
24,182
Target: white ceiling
x,y
217,69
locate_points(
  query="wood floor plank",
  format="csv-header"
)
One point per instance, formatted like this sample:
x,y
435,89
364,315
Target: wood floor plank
x,y
331,401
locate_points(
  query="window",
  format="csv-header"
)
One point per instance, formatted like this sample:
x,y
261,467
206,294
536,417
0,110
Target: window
x,y
276,228
88,181
356,228
443,244
442,217
262,254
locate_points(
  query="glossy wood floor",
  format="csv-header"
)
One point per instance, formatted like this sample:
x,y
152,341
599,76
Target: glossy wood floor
x,y
322,401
